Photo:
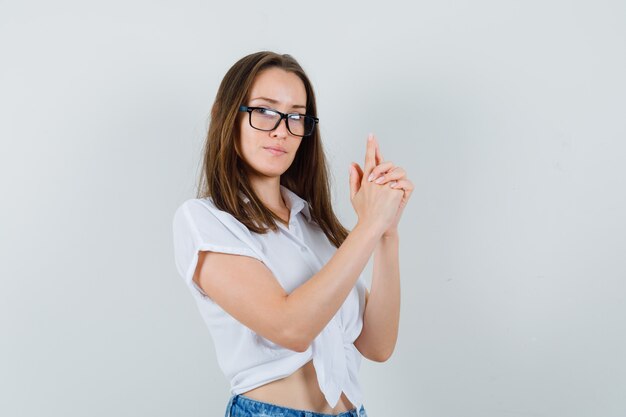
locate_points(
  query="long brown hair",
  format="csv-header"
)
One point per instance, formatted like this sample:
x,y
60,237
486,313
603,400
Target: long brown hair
x,y
223,176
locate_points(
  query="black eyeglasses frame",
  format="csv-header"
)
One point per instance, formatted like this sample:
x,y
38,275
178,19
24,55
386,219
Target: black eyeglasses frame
x,y
285,116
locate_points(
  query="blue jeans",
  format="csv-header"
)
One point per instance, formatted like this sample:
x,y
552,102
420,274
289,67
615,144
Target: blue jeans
x,y
240,406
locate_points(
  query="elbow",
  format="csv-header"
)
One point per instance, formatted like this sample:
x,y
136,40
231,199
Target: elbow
x,y
373,353
301,347
294,334
381,356
296,340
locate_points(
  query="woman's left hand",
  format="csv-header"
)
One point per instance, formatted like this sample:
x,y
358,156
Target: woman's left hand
x,y
386,172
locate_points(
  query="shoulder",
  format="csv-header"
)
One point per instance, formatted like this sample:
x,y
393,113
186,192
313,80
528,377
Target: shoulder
x,y
202,215
197,203
191,210
200,208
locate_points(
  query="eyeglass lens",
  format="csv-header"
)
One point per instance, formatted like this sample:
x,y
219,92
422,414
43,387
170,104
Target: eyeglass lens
x,y
266,119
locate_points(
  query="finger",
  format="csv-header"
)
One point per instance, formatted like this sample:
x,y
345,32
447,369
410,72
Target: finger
x,y
358,169
399,184
404,185
379,156
407,187
396,173
381,169
370,154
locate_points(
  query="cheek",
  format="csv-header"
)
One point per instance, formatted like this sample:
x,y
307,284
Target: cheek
x,y
246,149
251,146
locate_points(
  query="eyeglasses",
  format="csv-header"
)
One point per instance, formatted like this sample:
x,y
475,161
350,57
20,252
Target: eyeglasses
x,y
265,119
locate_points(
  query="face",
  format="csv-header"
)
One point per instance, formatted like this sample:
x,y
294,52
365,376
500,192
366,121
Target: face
x,y
279,90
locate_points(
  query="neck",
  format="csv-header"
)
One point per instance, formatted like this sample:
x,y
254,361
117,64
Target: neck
x,y
268,190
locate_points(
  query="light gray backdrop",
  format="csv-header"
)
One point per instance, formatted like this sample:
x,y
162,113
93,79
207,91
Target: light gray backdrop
x,y
508,116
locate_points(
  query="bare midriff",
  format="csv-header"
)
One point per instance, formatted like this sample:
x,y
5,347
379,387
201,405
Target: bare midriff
x,y
299,390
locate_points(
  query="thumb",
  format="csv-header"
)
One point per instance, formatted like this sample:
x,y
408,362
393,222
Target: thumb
x,y
354,182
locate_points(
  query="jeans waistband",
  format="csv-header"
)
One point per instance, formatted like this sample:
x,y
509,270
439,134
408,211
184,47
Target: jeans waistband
x,y
267,409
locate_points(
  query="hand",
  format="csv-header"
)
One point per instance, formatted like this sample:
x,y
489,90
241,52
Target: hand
x,y
376,206
394,175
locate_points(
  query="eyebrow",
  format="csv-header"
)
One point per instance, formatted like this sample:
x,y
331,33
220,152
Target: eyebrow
x,y
271,100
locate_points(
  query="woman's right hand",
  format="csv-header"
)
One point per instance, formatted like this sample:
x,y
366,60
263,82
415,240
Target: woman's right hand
x,y
376,205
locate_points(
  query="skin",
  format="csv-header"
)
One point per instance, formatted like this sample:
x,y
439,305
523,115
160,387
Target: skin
x,y
265,169
293,320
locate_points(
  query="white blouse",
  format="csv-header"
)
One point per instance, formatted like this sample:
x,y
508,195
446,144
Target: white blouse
x,y
294,255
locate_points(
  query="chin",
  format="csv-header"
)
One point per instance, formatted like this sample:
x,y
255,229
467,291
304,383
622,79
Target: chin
x,y
265,169
269,172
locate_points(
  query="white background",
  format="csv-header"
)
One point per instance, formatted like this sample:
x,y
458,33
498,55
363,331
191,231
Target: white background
x,y
509,118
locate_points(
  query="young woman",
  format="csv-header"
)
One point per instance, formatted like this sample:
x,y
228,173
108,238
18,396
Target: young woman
x,y
278,280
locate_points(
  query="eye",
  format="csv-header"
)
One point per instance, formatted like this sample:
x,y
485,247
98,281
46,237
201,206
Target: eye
x,y
266,112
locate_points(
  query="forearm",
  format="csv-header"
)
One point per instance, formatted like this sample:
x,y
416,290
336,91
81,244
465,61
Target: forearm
x,y
382,313
312,305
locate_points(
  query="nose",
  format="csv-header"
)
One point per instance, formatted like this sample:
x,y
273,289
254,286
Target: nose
x,y
281,130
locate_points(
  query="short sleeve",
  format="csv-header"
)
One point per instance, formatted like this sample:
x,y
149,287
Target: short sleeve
x,y
197,228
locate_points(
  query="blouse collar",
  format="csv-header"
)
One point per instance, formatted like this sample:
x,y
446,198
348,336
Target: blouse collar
x,y
294,202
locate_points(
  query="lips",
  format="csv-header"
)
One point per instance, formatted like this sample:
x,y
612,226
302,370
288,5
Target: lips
x,y
275,149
